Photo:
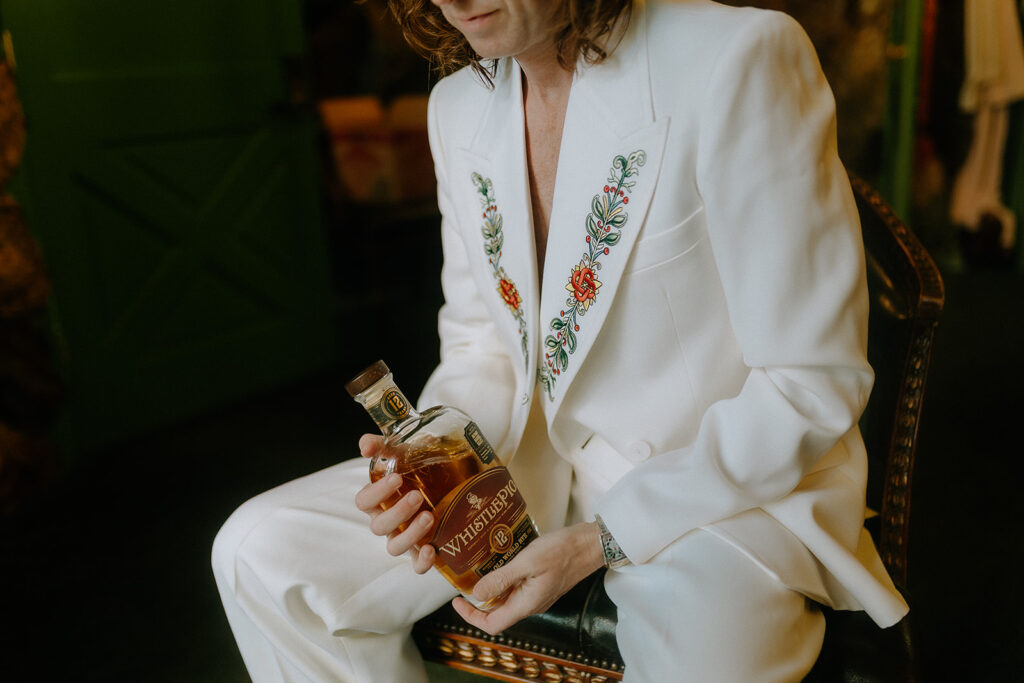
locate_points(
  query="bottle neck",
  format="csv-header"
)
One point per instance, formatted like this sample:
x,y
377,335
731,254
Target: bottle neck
x,y
386,404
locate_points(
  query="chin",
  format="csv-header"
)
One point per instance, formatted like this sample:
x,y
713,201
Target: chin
x,y
489,49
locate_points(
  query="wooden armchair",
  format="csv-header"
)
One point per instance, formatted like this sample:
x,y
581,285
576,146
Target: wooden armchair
x,y
575,640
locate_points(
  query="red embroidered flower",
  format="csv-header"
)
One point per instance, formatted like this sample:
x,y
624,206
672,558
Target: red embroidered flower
x,y
509,293
583,284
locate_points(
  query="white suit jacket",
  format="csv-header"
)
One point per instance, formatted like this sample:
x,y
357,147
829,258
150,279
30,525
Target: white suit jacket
x,y
703,311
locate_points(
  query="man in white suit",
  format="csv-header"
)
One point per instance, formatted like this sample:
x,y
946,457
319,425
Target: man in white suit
x,y
656,310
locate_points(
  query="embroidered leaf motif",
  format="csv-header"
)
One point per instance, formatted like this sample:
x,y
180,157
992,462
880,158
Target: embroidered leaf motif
x,y
571,338
563,359
494,240
604,226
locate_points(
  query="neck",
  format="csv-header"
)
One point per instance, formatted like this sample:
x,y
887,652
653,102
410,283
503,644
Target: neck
x,y
543,76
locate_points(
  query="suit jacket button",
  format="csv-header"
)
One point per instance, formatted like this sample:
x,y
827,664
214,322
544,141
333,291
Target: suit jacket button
x,y
638,451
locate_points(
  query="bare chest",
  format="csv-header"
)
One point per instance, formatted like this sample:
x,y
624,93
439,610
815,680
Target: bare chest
x,y
543,140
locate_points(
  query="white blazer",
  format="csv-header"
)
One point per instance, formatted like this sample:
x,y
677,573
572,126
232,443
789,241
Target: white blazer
x,y
704,308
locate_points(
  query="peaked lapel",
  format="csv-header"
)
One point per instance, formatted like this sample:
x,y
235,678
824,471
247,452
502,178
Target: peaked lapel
x,y
492,190
607,171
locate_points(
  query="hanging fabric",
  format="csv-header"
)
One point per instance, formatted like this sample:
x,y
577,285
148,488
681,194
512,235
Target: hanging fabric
x,y
995,78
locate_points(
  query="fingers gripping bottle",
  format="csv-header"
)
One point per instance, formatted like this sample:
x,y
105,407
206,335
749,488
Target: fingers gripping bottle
x,y
480,517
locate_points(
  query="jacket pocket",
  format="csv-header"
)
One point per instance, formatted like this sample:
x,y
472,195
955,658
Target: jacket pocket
x,y
662,247
599,464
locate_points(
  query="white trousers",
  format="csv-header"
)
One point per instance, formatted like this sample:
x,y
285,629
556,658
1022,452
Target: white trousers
x,y
312,595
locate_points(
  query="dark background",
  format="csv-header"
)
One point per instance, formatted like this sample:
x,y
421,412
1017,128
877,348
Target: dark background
x,y
104,563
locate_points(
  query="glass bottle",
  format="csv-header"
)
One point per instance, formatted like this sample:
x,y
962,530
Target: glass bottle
x,y
481,520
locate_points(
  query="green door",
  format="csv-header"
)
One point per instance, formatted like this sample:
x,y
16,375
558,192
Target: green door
x,y
174,191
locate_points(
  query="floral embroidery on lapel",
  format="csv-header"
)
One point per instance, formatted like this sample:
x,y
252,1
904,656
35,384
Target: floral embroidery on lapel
x,y
604,229
494,238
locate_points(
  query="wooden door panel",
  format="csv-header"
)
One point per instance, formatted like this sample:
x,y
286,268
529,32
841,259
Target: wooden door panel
x,y
179,214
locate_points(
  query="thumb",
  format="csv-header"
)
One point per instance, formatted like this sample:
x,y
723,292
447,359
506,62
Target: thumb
x,y
370,444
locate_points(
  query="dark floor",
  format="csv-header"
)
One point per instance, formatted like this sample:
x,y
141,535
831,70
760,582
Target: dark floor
x,y
105,577
967,544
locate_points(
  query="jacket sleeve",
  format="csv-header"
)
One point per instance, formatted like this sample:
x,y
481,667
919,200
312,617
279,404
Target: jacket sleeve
x,y
786,240
474,373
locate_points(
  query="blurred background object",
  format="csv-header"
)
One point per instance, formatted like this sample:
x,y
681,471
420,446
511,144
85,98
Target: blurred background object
x,y
995,79
381,155
29,388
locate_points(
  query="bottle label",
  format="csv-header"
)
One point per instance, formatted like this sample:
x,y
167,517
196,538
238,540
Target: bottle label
x,y
484,525
518,537
479,442
392,406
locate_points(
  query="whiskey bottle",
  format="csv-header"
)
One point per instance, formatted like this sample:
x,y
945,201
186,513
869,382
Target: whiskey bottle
x,y
480,517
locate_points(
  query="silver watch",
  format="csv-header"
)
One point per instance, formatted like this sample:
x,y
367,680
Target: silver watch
x,y
613,555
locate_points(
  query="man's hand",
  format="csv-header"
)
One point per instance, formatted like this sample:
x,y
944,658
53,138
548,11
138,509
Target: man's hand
x,y
401,512
544,571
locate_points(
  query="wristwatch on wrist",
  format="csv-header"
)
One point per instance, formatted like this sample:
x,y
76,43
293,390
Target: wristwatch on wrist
x,y
613,555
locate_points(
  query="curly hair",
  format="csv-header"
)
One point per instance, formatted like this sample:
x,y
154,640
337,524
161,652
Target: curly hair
x,y
581,26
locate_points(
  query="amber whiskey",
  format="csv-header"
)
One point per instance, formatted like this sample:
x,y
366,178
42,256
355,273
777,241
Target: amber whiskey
x,y
480,517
